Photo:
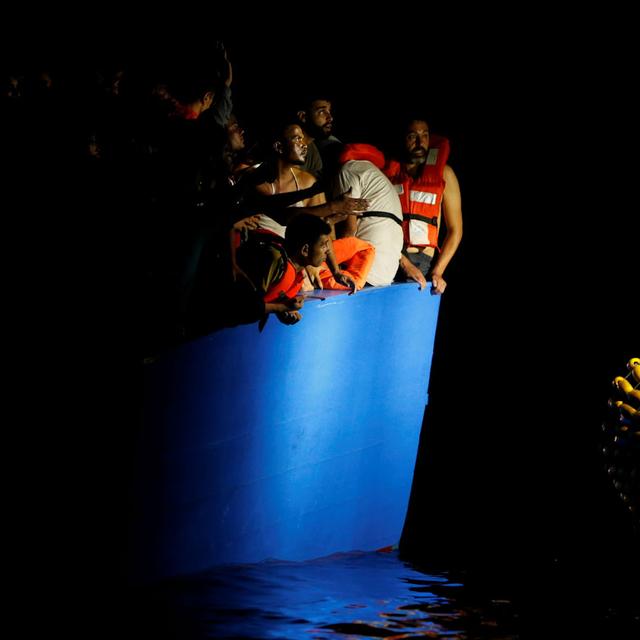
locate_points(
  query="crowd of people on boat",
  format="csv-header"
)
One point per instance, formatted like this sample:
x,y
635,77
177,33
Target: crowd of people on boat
x,y
223,232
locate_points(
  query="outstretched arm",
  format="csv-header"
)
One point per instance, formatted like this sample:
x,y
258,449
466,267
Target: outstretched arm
x,y
343,205
279,206
229,70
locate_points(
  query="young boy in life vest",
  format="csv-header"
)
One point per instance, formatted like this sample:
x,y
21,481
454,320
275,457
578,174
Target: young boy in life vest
x,y
275,268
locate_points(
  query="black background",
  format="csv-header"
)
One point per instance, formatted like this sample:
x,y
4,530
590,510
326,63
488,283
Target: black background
x,y
539,316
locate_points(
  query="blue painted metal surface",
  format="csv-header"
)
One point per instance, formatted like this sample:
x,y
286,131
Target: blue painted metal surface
x,y
293,443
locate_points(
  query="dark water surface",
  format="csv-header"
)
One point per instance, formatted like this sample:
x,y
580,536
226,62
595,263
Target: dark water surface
x,y
344,595
378,595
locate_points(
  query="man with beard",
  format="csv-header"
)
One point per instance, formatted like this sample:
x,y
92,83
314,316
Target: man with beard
x,y
317,121
428,190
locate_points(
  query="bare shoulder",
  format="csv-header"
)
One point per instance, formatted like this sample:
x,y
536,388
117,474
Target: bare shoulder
x,y
305,179
449,173
265,188
451,180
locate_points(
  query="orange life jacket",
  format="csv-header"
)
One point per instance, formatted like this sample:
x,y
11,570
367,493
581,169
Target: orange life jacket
x,y
361,151
280,278
421,197
288,286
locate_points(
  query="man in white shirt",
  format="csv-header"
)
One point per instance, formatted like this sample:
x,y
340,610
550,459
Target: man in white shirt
x,y
381,224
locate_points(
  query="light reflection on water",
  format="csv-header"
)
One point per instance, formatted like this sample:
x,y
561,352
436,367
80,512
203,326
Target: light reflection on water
x,y
345,595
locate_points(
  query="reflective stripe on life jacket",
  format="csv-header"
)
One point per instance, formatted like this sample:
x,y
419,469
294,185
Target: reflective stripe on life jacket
x,y
421,197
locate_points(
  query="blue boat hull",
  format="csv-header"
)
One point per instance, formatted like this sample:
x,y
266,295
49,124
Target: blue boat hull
x,y
291,443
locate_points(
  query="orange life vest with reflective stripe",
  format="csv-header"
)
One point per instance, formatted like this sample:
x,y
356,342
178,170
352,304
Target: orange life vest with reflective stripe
x,y
421,197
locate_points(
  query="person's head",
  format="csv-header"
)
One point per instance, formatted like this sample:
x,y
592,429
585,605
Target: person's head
x,y
116,82
361,151
417,141
192,85
290,144
307,240
317,118
44,79
11,85
235,134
